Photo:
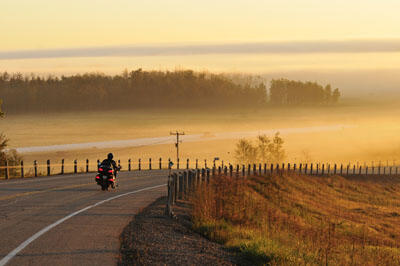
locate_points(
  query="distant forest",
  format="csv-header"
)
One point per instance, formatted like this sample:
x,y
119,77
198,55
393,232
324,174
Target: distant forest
x,y
289,92
152,89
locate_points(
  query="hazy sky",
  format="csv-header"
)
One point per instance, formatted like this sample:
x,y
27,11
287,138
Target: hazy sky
x,y
32,30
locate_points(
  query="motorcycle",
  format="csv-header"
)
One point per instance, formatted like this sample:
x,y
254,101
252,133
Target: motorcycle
x,y
105,177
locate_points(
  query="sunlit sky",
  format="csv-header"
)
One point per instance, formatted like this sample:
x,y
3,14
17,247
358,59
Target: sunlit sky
x,y
56,25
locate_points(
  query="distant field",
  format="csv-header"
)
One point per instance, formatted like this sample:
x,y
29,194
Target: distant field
x,y
373,137
303,220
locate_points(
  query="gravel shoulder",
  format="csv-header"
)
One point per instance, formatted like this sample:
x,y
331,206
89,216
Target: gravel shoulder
x,y
154,239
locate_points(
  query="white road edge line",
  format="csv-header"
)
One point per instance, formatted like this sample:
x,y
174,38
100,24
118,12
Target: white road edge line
x,y
13,253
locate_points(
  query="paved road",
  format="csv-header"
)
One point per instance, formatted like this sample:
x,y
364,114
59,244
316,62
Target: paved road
x,y
88,237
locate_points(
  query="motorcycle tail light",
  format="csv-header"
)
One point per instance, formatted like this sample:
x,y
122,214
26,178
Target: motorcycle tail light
x,y
98,177
110,171
100,169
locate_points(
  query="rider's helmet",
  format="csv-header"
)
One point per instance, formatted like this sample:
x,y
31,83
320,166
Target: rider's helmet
x,y
110,156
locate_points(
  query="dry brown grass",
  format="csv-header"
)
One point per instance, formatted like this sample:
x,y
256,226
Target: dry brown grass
x,y
292,219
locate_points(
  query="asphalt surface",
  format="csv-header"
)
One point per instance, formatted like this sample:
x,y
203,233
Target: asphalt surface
x,y
89,237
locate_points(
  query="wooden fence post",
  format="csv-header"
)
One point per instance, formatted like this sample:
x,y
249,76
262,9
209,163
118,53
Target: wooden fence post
x,y
254,169
294,167
219,170
265,168
379,170
288,167
366,170
87,165
187,163
243,170
323,169
341,169
237,170
354,169
139,164
249,170
6,170
75,166
334,169
347,169
62,166
22,169
205,163
48,167
231,170
360,170
306,168
35,168
160,163
317,168
272,168
197,164
225,170
177,163
149,163
311,169
129,165
300,166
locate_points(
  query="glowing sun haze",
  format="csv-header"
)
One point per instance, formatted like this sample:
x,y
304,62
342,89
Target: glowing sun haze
x,y
34,29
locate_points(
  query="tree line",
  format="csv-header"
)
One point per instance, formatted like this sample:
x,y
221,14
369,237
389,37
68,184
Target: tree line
x,y
289,92
129,90
140,89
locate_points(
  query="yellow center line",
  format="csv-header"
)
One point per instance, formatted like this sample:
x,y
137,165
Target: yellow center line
x,y
42,191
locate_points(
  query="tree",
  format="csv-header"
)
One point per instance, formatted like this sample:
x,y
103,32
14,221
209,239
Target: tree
x,y
336,95
1,113
266,150
245,152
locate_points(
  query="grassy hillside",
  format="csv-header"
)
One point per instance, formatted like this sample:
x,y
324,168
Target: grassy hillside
x,y
293,220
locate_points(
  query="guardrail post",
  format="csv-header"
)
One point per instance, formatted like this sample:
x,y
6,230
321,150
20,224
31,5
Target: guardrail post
x,y
160,163
6,170
180,186
62,166
149,163
140,164
176,184
22,169
129,165
75,166
48,167
35,168
87,165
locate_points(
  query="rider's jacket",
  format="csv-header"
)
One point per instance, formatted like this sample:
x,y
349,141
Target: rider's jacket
x,y
109,163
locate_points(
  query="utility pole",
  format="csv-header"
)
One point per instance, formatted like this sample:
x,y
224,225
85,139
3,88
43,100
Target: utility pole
x,y
177,134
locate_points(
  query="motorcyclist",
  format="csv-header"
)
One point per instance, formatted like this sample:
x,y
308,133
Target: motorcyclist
x,y
109,162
